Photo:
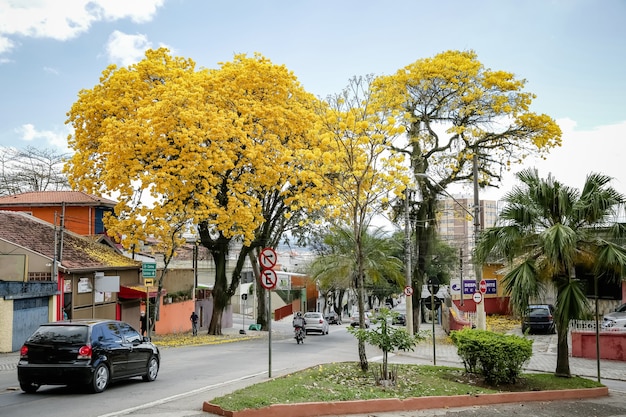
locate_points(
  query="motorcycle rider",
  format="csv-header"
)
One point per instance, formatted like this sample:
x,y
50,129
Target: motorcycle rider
x,y
298,321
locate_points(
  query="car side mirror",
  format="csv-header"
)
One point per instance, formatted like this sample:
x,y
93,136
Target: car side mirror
x,y
145,339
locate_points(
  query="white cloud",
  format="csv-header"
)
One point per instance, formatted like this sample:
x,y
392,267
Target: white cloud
x,y
51,70
582,152
66,20
29,134
126,49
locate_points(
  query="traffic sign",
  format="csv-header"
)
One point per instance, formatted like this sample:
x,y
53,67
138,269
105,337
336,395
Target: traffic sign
x,y
149,282
477,297
483,286
268,258
268,279
148,269
408,291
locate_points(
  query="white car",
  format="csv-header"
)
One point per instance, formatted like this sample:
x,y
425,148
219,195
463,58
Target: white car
x,y
616,324
609,319
315,322
354,319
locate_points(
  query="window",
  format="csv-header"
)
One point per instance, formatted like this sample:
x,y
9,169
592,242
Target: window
x,y
130,335
111,332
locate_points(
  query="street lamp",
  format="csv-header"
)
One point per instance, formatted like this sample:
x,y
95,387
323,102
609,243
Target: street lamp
x,y
480,307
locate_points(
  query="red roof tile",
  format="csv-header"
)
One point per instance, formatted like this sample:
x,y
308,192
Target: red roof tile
x,y
79,253
48,198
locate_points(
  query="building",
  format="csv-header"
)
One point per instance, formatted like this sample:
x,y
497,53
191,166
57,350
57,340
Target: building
x,y
47,275
76,211
457,228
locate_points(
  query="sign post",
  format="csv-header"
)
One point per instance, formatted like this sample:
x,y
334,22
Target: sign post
x,y
268,278
244,297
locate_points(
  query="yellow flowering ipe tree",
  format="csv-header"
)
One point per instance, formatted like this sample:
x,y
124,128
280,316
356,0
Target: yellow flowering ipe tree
x,y
457,114
359,170
180,147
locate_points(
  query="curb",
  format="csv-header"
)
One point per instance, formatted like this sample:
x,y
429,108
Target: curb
x,y
409,404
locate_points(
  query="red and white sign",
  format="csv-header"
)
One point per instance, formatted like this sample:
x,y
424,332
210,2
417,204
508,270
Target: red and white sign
x,y
477,297
408,291
483,286
269,279
268,258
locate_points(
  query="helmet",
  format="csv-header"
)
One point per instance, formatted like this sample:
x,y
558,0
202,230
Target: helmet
x,y
299,314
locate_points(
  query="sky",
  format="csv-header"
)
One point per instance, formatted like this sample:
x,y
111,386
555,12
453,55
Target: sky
x,y
572,53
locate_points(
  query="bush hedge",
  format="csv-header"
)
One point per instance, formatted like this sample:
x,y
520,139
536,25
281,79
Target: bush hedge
x,y
497,357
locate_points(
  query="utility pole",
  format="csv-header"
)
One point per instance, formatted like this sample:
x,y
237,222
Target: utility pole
x,y
461,273
408,266
481,322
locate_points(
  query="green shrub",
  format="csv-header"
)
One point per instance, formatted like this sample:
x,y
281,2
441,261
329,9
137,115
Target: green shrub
x,y
497,357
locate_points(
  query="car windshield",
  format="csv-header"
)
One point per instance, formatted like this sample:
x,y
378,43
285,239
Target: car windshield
x,y
312,315
60,334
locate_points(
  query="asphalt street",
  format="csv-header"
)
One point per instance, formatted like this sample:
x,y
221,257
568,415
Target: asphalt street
x,y
612,374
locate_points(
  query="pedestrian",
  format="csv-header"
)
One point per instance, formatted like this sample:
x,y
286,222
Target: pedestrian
x,y
194,323
144,323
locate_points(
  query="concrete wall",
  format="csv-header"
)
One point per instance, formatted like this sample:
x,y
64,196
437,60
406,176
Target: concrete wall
x,y
612,345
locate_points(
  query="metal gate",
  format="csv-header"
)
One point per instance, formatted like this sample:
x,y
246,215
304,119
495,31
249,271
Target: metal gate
x,y
28,314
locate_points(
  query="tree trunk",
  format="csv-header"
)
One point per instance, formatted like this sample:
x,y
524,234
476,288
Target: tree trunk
x,y
261,309
220,293
360,293
562,353
362,355
424,236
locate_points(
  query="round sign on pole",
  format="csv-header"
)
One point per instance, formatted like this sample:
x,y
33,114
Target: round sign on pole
x,y
483,286
408,290
268,279
477,297
268,258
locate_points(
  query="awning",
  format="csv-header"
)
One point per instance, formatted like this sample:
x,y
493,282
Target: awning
x,y
135,292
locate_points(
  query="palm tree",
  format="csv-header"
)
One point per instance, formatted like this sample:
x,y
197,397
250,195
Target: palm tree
x,y
341,265
545,232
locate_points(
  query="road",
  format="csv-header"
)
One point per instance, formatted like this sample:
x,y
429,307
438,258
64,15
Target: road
x,y
188,376
191,375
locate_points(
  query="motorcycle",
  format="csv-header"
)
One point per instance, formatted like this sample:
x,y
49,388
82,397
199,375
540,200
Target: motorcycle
x,y
299,334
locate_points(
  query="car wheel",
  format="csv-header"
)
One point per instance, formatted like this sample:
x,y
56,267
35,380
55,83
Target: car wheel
x,y
29,387
152,370
101,378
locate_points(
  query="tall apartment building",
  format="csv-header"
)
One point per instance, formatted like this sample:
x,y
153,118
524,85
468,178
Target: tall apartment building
x,y
457,227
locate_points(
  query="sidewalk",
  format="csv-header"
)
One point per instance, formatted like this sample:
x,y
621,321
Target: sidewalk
x,y
542,360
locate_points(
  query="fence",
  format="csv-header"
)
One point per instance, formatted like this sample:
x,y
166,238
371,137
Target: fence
x,y
590,325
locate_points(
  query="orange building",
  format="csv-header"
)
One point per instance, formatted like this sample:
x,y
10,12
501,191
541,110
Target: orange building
x,y
76,211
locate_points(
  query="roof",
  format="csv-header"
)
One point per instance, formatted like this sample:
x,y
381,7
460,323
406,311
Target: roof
x,y
55,198
79,253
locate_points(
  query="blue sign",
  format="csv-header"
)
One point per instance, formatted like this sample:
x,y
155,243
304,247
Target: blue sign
x,y
469,286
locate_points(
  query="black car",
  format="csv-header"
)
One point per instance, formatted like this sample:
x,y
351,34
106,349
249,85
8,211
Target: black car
x,y
539,318
90,353
399,319
333,318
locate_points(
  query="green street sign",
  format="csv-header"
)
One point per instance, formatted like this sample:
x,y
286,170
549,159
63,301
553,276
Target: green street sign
x,y
148,269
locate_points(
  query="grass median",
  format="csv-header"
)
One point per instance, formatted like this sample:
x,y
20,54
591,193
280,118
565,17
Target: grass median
x,y
345,381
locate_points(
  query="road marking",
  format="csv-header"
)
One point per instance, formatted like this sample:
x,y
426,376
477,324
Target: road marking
x,y
179,396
